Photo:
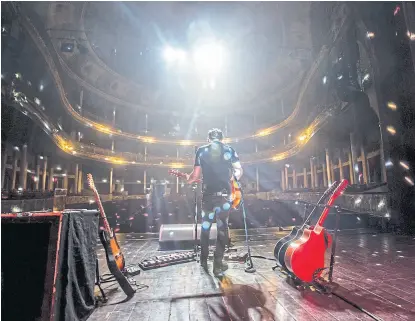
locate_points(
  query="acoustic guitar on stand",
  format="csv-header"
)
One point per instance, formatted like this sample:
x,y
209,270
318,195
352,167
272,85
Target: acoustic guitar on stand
x,y
236,194
282,245
305,257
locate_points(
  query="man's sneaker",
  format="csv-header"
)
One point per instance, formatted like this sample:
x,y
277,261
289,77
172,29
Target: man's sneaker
x,y
219,268
204,265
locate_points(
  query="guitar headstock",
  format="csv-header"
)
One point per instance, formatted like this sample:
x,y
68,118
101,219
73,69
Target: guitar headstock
x,y
91,183
340,189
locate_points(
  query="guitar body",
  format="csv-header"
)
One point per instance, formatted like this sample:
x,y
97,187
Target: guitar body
x,y
282,245
111,246
305,257
236,194
115,260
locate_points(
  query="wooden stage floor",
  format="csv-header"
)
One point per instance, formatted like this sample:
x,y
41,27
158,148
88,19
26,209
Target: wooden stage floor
x,y
375,271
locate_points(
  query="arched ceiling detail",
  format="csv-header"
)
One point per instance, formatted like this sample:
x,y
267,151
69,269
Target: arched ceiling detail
x,y
66,20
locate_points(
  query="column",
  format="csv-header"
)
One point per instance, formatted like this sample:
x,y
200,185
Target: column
x,y
23,168
122,185
65,179
256,169
3,167
75,189
13,186
328,167
364,165
257,178
316,182
37,177
351,169
110,180
50,187
45,168
282,181
341,167
145,172
355,154
312,173
323,167
80,181
294,178
305,178
287,187
177,178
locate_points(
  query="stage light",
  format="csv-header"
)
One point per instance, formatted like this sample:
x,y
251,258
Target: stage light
x,y
174,55
404,165
381,204
324,79
409,180
58,168
389,163
391,130
392,105
208,58
41,87
370,35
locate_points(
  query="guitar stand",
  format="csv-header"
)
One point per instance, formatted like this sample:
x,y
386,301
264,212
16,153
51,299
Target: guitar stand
x,y
319,284
98,283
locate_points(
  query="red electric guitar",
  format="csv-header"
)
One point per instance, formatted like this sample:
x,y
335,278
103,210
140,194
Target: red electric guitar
x,y
236,194
305,257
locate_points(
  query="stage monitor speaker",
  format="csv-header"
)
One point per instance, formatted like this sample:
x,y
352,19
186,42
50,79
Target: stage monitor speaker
x,y
173,236
29,260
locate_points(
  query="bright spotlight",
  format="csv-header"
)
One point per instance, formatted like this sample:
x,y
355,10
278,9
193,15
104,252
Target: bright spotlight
x,y
209,58
172,55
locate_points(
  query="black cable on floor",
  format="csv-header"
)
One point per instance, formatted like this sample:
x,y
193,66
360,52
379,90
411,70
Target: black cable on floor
x,y
263,257
374,317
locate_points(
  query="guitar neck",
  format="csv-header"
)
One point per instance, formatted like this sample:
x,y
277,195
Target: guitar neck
x,y
102,212
342,186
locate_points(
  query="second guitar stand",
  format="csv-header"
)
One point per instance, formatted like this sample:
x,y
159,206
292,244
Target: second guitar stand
x,y
320,284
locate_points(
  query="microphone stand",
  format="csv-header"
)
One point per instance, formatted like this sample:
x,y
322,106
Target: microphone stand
x,y
194,187
250,265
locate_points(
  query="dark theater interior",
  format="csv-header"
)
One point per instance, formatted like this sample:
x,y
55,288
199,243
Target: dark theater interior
x,y
192,161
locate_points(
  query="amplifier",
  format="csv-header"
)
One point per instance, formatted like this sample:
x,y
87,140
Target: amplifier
x,y
174,236
48,265
30,245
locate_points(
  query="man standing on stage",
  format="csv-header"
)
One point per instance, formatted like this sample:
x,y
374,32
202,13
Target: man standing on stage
x,y
219,164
